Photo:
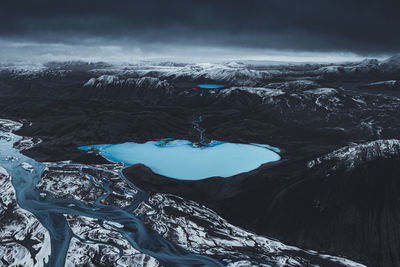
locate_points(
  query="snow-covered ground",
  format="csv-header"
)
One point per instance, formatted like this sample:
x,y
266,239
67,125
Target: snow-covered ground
x,y
24,241
201,230
354,154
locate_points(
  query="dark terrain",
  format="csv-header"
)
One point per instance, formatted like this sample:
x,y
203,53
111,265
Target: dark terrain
x,y
347,203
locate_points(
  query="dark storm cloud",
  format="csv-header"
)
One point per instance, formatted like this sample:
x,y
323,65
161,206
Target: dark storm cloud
x,y
359,26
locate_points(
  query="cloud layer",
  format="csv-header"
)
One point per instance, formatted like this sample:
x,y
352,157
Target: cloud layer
x,y
357,26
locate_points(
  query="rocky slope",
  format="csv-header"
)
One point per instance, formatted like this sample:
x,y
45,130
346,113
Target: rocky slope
x,y
343,202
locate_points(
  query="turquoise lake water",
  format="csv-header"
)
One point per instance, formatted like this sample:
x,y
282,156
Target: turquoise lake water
x,y
180,159
210,86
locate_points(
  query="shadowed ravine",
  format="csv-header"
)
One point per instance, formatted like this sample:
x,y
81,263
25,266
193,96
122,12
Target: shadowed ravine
x,y
50,212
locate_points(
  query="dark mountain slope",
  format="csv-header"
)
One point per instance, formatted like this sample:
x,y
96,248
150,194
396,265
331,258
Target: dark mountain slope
x,y
339,208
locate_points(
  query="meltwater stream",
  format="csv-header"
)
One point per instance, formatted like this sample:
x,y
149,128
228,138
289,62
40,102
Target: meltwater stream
x,y
26,172
184,160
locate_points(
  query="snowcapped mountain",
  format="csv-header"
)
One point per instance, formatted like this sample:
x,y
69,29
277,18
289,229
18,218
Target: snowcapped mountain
x,y
229,74
391,64
356,154
105,81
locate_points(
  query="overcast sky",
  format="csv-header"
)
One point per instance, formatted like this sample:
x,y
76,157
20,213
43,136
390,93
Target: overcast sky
x,y
247,28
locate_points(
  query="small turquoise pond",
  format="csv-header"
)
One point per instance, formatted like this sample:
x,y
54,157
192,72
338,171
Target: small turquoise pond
x,y
180,159
210,86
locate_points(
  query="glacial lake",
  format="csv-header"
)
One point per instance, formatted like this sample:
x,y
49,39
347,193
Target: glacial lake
x,y
182,160
210,86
